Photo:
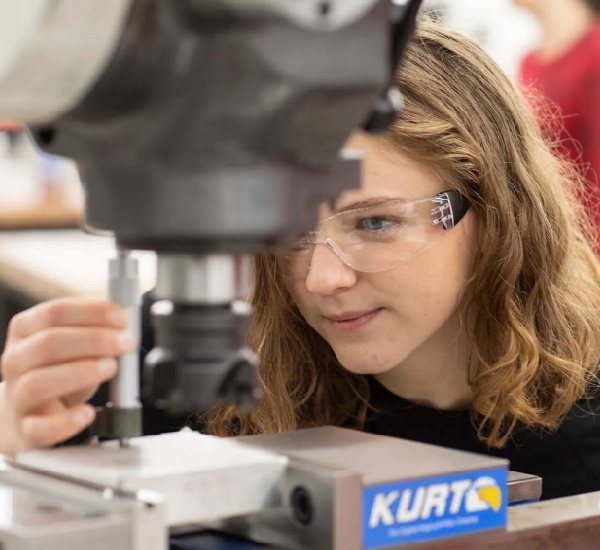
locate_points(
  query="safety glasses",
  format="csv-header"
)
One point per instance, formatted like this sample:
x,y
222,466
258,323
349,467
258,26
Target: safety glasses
x,y
378,237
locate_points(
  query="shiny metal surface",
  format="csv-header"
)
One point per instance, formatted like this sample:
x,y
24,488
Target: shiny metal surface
x,y
523,487
376,458
124,289
202,478
202,279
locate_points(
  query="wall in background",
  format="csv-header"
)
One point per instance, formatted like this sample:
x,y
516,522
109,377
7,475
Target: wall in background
x,y
504,31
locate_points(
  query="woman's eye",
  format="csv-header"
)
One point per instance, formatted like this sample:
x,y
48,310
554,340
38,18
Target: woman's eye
x,y
375,224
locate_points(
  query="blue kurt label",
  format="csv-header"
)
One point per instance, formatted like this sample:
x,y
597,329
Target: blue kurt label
x,y
417,511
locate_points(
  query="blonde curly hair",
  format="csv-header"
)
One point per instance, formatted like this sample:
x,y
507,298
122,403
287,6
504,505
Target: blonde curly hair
x,y
534,304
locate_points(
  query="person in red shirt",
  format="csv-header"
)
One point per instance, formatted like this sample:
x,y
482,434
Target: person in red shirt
x,y
565,69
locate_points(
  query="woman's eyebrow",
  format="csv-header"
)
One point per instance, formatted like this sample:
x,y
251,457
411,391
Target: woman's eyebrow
x,y
372,201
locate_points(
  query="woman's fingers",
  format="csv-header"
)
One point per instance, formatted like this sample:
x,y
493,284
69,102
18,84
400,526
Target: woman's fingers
x,y
47,430
65,313
56,355
38,386
57,346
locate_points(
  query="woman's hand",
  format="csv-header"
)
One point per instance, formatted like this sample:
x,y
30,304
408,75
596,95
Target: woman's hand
x,y
56,355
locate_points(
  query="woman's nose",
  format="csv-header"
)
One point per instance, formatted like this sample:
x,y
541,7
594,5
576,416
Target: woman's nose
x,y
327,272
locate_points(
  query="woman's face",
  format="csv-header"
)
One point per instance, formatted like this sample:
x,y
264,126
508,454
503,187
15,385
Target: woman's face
x,y
376,321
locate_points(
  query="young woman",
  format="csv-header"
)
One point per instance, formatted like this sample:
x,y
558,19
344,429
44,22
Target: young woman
x,y
452,299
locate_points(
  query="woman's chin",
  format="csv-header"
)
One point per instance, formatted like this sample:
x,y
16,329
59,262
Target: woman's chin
x,y
366,364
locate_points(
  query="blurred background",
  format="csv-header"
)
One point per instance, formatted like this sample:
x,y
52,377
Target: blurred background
x,y
505,31
36,189
550,49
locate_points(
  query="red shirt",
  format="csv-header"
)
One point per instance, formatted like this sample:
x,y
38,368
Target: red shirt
x,y
10,126
572,81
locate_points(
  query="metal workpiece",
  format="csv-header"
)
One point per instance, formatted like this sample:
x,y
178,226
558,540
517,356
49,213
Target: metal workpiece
x,y
121,418
53,51
202,478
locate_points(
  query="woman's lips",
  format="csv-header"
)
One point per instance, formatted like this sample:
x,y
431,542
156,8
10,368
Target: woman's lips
x,y
352,320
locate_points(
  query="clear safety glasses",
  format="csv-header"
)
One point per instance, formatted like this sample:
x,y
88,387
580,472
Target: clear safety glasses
x,y
378,237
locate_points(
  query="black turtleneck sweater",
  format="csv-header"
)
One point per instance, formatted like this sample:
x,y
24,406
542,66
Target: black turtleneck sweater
x,y
567,460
